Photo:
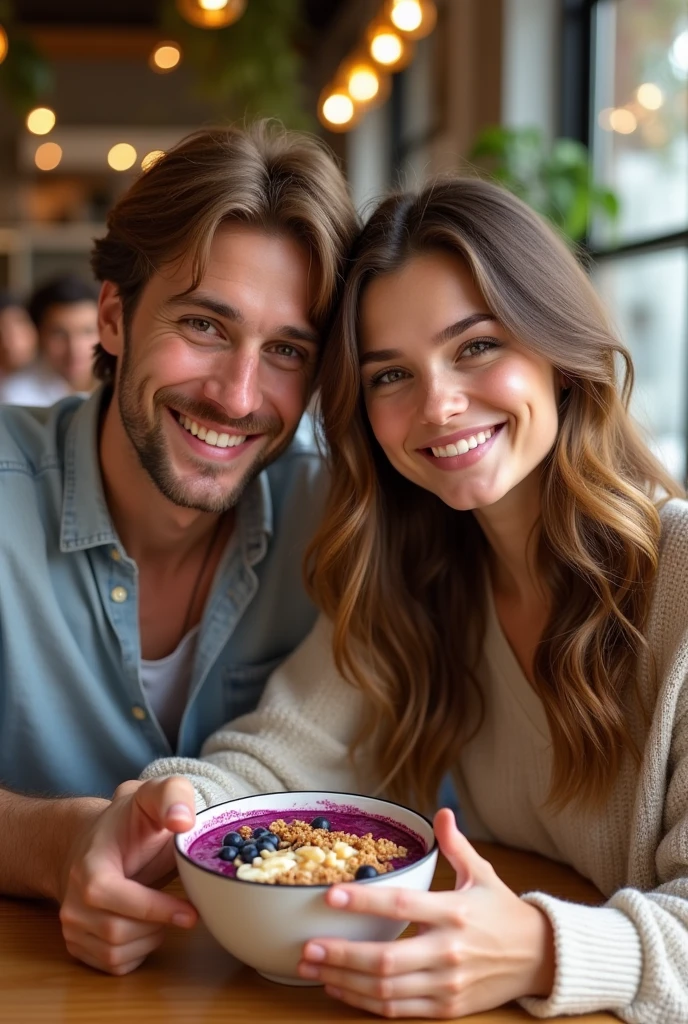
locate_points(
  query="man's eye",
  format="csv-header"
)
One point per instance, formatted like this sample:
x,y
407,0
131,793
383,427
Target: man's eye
x,y
200,324
288,351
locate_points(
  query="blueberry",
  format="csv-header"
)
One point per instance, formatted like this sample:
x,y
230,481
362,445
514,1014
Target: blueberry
x,y
247,852
365,871
271,838
265,844
233,839
259,832
228,853
321,823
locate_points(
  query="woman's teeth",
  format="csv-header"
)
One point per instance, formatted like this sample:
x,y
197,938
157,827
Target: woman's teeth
x,y
464,445
211,436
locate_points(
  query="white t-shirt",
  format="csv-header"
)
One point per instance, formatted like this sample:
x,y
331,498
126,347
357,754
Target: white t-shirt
x,y
166,684
37,385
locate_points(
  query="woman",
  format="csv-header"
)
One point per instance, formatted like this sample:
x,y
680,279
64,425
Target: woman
x,y
503,577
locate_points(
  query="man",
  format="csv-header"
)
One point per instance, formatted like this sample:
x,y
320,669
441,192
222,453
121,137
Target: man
x,y
151,537
64,311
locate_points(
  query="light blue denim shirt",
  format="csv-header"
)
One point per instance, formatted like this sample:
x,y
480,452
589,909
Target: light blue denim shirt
x,y
74,718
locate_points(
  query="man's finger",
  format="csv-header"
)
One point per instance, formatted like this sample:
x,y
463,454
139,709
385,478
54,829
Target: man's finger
x,y
127,898
167,803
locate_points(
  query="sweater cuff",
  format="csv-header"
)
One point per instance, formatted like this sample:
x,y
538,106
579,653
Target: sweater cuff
x,y
599,958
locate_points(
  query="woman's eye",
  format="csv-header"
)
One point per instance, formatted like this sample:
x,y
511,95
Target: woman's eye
x,y
479,346
387,377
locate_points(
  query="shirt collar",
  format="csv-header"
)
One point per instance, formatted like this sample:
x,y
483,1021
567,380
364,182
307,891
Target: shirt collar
x,y
86,521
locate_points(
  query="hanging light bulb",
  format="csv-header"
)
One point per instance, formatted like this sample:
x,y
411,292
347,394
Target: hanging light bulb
x,y
363,80
387,46
165,57
4,45
414,18
336,109
211,13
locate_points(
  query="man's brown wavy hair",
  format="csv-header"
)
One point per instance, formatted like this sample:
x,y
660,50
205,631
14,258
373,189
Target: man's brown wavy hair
x,y
402,576
261,175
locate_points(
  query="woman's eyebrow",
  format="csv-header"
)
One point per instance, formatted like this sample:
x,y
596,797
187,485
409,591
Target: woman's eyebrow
x,y
382,355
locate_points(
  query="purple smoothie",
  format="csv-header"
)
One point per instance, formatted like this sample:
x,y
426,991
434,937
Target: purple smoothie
x,y
205,849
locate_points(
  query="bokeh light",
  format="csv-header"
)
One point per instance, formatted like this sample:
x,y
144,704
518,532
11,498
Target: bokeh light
x,y
122,156
41,120
165,57
48,156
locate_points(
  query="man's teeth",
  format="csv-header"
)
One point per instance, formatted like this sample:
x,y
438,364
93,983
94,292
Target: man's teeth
x,y
464,445
211,436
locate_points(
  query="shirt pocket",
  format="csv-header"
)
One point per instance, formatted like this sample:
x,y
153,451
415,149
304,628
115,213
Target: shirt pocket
x,y
244,685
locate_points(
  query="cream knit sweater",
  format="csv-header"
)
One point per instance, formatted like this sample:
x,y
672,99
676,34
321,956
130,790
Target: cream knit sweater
x,y
629,956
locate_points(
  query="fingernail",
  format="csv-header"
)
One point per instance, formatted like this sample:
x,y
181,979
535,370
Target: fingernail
x,y
178,811
339,898
314,952
309,971
183,920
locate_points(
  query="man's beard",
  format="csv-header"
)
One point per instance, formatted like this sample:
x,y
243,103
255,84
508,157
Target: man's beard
x,y
150,444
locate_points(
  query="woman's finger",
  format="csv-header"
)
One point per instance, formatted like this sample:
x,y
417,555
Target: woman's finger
x,y
439,909
379,959
386,1008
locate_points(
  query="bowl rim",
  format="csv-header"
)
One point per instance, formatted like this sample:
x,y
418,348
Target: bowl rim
x,y
296,792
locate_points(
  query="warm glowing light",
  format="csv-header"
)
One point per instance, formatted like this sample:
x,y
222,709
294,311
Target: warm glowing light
x,y
415,18
650,96
4,46
338,108
211,13
122,156
363,83
165,57
386,48
41,120
48,156
152,158
623,121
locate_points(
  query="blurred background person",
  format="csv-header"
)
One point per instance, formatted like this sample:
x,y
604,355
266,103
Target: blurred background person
x,y
65,312
18,338
63,315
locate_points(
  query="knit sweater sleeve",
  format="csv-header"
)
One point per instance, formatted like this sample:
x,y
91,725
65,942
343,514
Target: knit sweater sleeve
x,y
297,738
630,956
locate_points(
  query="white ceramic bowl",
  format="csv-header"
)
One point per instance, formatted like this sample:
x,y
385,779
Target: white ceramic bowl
x,y
266,926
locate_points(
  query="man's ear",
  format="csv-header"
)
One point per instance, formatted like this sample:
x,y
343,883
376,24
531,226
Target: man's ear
x,y
111,319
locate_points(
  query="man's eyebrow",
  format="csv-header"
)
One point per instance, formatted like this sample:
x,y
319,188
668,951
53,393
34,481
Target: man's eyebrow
x,y
213,305
383,355
231,313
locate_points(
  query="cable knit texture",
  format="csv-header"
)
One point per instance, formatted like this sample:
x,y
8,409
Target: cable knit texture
x,y
629,956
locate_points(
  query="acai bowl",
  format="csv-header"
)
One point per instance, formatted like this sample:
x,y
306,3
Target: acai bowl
x,y
265,919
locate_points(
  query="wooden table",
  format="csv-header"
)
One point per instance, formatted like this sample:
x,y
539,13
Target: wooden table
x,y
191,979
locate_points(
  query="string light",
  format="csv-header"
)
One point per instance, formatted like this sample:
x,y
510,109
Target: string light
x,y
415,18
41,120
623,121
152,158
122,156
4,45
48,156
650,96
211,13
387,47
165,57
336,110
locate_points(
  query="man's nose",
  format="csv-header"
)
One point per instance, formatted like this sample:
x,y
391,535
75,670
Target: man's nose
x,y
235,384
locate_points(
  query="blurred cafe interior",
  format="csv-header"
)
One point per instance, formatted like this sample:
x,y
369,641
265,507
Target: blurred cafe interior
x,y
580,106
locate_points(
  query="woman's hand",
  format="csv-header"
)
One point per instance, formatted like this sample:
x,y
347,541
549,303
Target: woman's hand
x,y
476,948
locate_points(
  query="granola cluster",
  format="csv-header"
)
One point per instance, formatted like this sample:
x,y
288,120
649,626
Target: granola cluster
x,y
308,855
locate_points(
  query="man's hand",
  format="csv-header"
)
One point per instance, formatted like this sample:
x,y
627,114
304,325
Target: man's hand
x,y
110,917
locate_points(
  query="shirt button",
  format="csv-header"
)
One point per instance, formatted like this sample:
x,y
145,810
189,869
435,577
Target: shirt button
x,y
118,594
138,712
115,555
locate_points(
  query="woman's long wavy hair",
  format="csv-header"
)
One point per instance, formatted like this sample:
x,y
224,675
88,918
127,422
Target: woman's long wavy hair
x,y
402,576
